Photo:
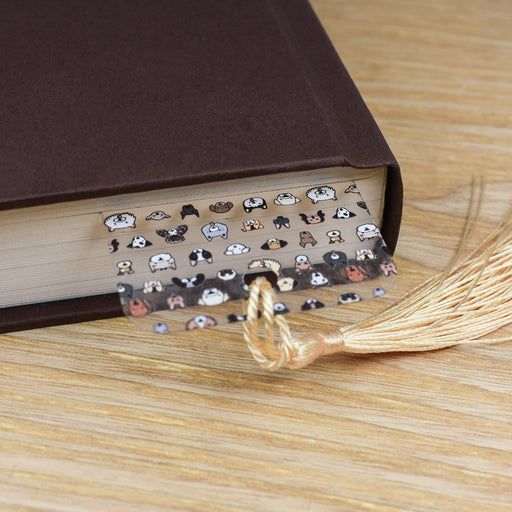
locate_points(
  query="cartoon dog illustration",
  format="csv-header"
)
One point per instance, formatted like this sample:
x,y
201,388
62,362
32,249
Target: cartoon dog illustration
x,y
213,229
280,308
305,237
335,258
158,215
120,221
252,225
335,236
388,268
265,263
273,244
221,207
281,221
312,304
322,193
188,209
254,202
173,235
313,218
138,308
198,255
226,274
367,231
162,261
153,287
286,199
213,297
161,328
124,267
200,322
347,298
318,279
139,242
354,273
352,189
343,213
365,254
125,290
189,282
302,264
175,301
236,249
286,284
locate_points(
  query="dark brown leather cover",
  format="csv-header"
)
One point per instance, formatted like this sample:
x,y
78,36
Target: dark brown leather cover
x,y
115,96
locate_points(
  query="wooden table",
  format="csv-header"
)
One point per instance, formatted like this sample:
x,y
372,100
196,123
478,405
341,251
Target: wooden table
x,y
101,416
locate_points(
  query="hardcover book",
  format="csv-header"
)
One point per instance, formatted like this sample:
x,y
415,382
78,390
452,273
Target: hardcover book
x,y
120,107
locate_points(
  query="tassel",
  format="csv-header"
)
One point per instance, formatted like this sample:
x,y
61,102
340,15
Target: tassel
x,y
472,297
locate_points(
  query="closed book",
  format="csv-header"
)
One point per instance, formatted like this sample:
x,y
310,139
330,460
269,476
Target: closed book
x,y
114,103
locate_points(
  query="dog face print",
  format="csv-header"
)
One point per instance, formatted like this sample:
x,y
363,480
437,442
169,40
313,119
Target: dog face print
x,y
311,303
305,237
313,218
188,209
125,290
347,298
236,249
173,235
343,213
226,274
286,199
213,297
273,244
252,225
318,279
120,221
153,287
254,202
302,264
280,308
281,221
265,263
335,236
161,328
367,231
175,301
322,193
213,229
124,267
335,259
162,261
138,308
221,207
139,242
198,255
388,268
158,215
352,189
200,322
286,284
354,273
189,282
365,254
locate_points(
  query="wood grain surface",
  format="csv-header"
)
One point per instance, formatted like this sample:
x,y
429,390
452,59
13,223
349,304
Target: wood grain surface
x,y
103,417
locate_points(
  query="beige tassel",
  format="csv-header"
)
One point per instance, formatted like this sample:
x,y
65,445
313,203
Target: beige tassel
x,y
472,297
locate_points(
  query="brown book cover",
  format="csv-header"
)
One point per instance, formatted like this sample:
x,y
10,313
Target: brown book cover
x,y
102,98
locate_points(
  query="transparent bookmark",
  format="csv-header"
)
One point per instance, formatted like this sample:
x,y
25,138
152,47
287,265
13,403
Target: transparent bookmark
x,y
187,263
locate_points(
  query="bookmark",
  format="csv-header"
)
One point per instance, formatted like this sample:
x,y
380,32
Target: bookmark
x,y
190,264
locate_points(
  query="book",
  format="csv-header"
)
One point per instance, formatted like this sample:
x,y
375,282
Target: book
x,y
105,106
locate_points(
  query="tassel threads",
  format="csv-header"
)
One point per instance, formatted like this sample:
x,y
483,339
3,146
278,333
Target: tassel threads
x,y
468,301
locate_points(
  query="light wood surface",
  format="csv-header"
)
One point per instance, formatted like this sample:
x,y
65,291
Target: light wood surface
x,y
102,416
